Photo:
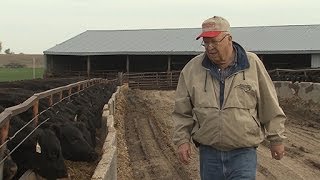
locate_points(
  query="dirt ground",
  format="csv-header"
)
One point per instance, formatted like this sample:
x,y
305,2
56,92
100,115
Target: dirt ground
x,y
145,150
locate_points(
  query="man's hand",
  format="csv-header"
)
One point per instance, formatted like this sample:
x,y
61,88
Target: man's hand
x,y
184,153
277,151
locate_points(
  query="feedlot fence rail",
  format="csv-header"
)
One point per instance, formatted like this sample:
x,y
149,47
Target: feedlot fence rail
x,y
169,80
300,75
153,80
106,74
33,102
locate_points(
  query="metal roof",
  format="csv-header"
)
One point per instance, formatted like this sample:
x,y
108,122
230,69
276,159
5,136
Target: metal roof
x,y
290,39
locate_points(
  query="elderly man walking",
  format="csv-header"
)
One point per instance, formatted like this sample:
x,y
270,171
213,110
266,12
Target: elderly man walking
x,y
227,105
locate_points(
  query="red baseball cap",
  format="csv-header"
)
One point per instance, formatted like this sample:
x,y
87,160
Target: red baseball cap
x,y
212,27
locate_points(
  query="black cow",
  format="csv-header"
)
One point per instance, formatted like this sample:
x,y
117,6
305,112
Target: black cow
x,y
75,145
40,152
74,137
85,132
84,116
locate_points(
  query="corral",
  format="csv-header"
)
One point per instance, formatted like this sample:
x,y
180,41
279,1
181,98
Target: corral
x,y
143,128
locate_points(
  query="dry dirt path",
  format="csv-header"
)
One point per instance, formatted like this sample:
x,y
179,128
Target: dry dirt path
x,y
145,150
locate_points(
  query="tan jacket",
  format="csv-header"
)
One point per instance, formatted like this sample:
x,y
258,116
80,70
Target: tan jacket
x,y
250,111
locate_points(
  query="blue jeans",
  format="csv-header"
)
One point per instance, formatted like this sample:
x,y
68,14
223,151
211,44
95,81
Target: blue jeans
x,y
238,164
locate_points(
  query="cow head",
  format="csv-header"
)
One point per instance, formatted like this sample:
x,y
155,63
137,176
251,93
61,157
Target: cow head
x,y
49,160
75,146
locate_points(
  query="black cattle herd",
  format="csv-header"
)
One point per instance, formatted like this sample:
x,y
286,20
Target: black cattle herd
x,y
66,130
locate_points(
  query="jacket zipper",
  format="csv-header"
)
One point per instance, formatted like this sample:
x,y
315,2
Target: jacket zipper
x,y
221,101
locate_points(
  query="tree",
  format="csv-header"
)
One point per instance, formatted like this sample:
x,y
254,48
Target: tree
x,y
0,46
7,51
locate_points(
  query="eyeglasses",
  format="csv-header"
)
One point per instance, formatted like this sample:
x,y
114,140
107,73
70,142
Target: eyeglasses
x,y
212,43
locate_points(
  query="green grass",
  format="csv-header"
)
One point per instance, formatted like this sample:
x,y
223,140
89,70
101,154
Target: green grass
x,y
13,74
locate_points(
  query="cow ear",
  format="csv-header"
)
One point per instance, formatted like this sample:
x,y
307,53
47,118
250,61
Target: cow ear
x,y
56,129
75,119
38,148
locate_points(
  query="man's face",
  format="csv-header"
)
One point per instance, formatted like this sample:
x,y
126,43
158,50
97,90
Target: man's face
x,y
217,48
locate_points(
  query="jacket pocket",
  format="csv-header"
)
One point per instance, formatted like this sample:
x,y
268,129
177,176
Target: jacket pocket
x,y
208,128
256,128
196,125
253,114
241,128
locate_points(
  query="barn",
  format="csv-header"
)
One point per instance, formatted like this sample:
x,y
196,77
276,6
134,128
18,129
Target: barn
x,y
103,52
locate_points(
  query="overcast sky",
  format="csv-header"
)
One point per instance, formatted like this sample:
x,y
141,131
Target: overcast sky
x,y
33,26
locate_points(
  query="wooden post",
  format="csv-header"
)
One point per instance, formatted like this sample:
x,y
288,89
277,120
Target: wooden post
x,y
128,64
33,68
169,63
120,76
69,93
45,66
170,79
4,131
51,100
4,135
305,74
88,66
157,80
60,95
36,111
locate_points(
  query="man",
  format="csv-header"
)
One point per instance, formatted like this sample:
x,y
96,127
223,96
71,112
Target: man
x,y
227,104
